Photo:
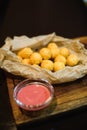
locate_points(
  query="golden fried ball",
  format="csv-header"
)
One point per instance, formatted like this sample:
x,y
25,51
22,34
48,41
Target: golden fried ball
x,y
26,61
52,45
72,60
35,58
25,52
60,58
47,64
58,66
54,52
45,53
64,51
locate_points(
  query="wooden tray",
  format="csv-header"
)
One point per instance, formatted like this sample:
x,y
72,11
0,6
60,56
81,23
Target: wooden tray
x,y
68,96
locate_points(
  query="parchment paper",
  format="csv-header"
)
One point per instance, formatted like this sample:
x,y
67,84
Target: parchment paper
x,y
10,62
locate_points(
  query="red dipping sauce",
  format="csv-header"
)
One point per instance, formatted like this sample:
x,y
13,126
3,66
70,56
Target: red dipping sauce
x,y
33,95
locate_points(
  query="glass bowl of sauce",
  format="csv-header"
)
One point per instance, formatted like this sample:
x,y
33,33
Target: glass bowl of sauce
x,y
33,95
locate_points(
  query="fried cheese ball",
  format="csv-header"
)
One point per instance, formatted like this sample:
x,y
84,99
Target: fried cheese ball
x,y
47,64
58,66
45,53
64,51
25,52
72,60
35,58
52,45
54,49
26,61
60,58
54,52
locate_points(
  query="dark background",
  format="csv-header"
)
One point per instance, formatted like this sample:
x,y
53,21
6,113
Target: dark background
x,y
67,18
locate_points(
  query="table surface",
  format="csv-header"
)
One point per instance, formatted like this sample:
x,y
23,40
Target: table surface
x,y
68,96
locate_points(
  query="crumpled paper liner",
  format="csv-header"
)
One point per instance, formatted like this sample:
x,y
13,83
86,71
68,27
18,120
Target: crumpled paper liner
x,y
10,62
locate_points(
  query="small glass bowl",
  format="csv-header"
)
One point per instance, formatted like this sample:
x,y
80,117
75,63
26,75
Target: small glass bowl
x,y
33,107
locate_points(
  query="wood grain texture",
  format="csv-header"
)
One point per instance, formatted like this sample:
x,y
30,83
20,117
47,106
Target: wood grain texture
x,y
68,96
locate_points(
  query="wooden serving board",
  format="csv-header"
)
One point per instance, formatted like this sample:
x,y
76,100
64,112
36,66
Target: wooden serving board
x,y
68,96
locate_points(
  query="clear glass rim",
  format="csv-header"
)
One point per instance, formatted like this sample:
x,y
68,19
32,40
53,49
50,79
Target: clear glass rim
x,y
29,82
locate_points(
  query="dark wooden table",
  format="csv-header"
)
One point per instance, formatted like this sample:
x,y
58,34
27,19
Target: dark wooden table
x,y
68,97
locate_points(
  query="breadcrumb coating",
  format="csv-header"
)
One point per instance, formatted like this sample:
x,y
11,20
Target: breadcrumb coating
x,y
52,45
47,64
25,52
45,53
58,66
60,58
64,51
35,58
72,60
